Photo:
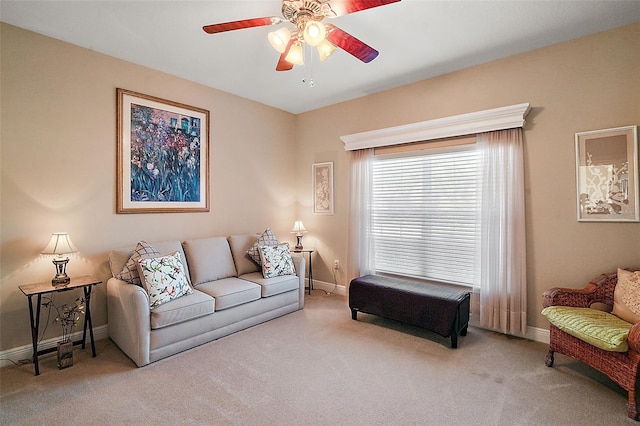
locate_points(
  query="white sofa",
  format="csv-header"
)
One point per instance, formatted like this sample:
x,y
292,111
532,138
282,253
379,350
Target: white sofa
x,y
230,294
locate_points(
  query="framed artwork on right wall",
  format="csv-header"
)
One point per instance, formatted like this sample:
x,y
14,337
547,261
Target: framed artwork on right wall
x,y
323,188
607,175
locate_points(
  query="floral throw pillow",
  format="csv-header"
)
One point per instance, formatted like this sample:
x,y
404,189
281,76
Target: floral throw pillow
x,y
276,261
626,296
130,271
266,239
164,279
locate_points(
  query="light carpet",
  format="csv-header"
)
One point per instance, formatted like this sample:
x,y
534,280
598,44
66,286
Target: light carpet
x,y
319,367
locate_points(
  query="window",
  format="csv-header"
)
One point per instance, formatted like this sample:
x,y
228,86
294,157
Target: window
x,y
425,214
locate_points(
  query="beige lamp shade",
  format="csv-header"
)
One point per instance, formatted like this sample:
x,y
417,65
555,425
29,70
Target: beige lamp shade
x,y
60,243
298,227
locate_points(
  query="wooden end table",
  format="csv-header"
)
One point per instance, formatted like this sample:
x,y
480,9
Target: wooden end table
x,y
86,283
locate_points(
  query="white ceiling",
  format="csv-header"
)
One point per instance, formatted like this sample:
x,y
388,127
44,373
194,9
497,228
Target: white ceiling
x,y
417,39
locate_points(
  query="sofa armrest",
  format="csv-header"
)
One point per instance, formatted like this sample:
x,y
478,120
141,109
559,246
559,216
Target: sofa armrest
x,y
129,320
301,267
600,289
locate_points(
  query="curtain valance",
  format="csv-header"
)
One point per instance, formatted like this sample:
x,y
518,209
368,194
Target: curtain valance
x,y
502,118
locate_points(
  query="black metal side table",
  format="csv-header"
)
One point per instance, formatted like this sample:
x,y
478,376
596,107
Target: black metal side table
x,y
86,283
309,251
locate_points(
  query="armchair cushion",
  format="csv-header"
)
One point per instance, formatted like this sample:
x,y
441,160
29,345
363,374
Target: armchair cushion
x,y
601,329
626,297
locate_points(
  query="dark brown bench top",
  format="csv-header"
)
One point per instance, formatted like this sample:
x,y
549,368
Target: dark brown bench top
x,y
431,306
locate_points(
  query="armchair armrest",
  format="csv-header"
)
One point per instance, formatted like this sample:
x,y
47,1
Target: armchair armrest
x,y
600,289
634,338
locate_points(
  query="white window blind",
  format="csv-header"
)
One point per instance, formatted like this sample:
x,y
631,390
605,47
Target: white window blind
x,y
425,215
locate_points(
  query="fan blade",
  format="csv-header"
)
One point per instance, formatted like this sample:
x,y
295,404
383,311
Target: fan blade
x,y
350,44
238,25
282,64
343,7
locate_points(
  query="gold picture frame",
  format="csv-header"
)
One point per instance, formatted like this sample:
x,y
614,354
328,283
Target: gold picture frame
x,y
162,155
607,175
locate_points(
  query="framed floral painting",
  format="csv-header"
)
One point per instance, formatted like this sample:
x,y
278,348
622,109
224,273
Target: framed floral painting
x,y
162,155
323,188
607,175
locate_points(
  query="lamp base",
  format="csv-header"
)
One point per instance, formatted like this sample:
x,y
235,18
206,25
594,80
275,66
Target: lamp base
x,y
61,277
299,242
60,281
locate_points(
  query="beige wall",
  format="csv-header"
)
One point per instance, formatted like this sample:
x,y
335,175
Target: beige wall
x,y
58,162
58,158
586,84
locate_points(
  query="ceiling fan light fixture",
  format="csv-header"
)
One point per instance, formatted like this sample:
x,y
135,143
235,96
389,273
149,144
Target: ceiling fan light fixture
x,y
279,39
325,49
295,55
314,32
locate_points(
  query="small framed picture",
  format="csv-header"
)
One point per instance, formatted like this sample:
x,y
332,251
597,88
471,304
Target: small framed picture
x,y
162,155
323,188
607,175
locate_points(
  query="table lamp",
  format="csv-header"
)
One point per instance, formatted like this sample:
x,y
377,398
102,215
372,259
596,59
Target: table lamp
x,y
298,229
59,245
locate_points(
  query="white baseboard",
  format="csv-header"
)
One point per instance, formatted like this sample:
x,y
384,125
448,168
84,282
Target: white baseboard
x,y
26,352
329,287
537,334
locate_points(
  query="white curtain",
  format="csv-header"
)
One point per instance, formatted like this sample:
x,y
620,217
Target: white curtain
x,y
502,257
360,244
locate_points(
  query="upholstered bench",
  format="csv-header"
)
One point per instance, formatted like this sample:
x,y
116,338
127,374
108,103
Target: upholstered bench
x,y
443,310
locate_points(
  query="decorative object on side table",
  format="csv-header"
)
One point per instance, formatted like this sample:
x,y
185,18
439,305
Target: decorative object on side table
x,y
59,245
298,229
68,316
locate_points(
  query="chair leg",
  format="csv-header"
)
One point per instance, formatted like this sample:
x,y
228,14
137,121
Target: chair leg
x,y
548,360
632,406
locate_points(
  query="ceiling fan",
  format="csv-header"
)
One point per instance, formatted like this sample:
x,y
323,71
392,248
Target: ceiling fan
x,y
307,17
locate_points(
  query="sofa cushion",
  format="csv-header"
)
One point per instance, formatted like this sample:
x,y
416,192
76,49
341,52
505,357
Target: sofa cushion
x,y
119,257
230,292
626,296
129,272
185,308
209,259
276,261
163,278
601,329
266,239
273,286
239,245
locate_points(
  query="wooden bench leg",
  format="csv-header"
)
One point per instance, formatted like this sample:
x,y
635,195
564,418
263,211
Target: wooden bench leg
x,y
454,340
354,314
